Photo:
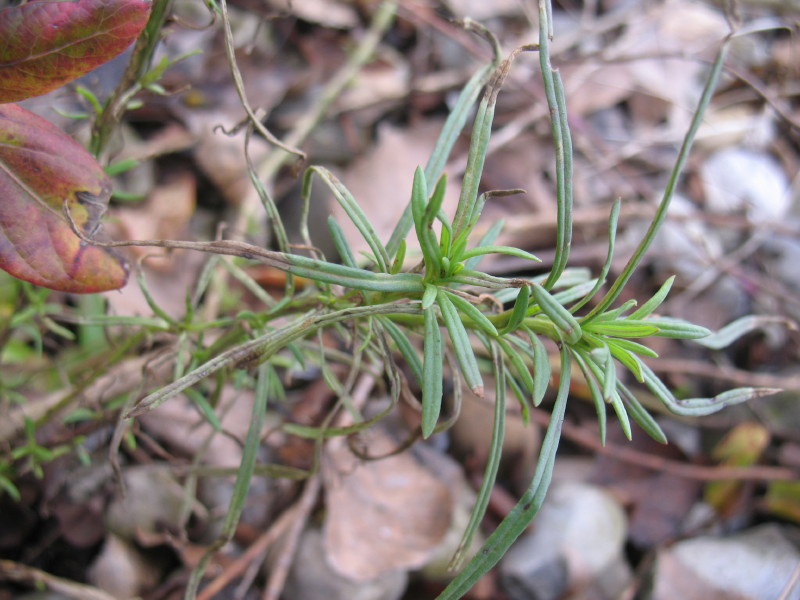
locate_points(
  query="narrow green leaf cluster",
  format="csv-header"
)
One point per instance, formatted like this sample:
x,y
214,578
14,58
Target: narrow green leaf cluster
x,y
417,311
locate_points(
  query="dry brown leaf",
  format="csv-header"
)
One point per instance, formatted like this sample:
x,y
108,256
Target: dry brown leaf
x,y
183,428
382,515
680,29
164,215
221,157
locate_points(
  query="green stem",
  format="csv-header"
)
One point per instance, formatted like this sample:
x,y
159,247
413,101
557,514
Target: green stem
x,y
661,212
141,59
522,514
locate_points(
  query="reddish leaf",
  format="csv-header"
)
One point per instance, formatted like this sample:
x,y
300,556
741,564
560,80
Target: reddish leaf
x,y
46,44
39,167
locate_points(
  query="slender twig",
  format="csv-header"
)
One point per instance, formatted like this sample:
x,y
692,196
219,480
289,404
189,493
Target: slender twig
x,y
280,569
381,21
20,573
255,119
589,439
257,549
141,59
661,213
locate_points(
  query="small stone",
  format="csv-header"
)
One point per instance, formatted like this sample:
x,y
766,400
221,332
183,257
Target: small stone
x,y
122,570
753,565
312,577
740,180
153,500
576,543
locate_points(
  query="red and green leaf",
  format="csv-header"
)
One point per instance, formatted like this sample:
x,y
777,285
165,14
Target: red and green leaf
x,y
45,44
40,166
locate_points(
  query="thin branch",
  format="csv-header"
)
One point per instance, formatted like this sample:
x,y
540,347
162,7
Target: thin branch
x,y
589,439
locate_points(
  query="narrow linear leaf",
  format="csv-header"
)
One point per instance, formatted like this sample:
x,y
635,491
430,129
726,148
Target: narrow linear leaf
x,y
444,144
429,297
492,462
699,407
434,206
522,397
640,415
560,316
431,373
326,272
733,331
622,415
353,211
632,346
704,406
469,277
405,347
609,373
509,250
602,366
595,393
518,519
570,294
601,278
469,203
461,344
474,313
481,130
678,328
487,240
205,408
519,311
612,314
431,250
419,198
559,127
341,243
624,328
653,303
399,258
661,212
445,244
541,368
246,468
520,368
626,358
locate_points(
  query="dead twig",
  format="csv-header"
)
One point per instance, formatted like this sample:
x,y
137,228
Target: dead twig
x,y
20,573
257,549
280,569
590,440
724,373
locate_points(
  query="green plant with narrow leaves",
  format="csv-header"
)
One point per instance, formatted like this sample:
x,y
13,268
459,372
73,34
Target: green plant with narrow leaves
x,y
442,303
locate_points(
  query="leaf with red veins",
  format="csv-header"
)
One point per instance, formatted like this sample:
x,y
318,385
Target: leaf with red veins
x,y
44,44
40,166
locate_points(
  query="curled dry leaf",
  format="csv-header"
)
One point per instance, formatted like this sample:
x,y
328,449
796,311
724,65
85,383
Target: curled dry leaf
x,y
382,515
46,44
40,168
